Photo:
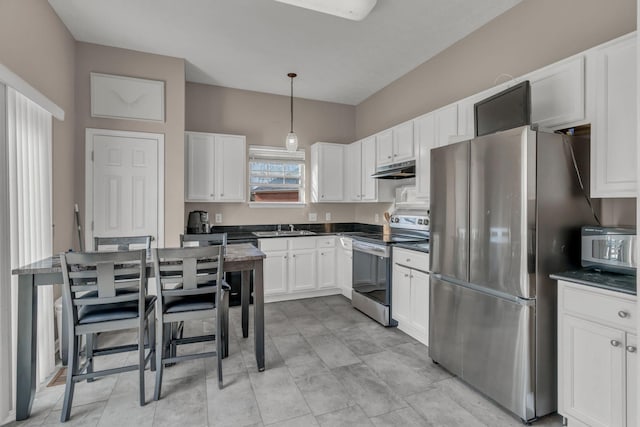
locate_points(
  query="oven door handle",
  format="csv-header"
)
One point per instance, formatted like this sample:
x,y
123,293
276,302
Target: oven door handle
x,y
372,249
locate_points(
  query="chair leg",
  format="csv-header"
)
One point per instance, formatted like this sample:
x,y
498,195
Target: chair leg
x,y
141,364
152,341
159,354
90,345
72,365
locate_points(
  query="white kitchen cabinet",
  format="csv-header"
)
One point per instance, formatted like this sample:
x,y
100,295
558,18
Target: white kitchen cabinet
x,y
384,147
410,293
430,131
425,139
326,256
403,142
395,144
558,94
327,172
344,261
302,270
614,119
597,359
215,167
360,164
275,273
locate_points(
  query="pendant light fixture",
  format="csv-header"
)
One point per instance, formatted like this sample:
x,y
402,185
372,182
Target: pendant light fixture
x,y
292,139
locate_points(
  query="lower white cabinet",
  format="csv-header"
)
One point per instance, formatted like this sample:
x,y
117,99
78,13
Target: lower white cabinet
x,y
597,356
299,267
344,265
410,293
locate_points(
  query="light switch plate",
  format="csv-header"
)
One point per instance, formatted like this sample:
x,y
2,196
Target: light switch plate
x,y
376,218
313,216
327,216
218,218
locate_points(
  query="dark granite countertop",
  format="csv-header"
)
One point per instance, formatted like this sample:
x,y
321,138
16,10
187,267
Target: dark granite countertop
x,y
600,279
244,232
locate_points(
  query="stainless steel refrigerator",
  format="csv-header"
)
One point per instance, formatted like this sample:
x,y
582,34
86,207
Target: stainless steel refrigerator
x,y
506,211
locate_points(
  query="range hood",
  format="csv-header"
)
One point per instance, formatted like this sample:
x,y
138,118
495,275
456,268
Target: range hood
x,y
396,171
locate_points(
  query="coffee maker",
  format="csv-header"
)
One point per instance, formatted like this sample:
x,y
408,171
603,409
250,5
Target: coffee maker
x,y
198,222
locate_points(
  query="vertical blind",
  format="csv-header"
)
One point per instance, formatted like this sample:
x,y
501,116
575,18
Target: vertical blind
x,y
28,160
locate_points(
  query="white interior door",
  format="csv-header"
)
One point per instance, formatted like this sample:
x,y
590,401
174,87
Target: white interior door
x,y
124,185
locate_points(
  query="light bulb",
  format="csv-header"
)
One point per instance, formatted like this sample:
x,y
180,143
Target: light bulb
x,y
292,141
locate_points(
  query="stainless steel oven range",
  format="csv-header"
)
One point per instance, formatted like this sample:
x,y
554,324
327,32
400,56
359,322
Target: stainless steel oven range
x,y
371,289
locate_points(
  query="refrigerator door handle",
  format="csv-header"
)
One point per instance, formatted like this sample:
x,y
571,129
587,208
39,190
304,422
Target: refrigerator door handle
x,y
485,290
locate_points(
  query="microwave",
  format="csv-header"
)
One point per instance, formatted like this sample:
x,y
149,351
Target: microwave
x,y
609,249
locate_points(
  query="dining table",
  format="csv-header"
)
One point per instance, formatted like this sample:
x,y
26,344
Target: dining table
x,y
239,257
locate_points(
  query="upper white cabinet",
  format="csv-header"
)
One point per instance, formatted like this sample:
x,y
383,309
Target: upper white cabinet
x,y
558,94
327,172
425,139
359,166
430,131
395,144
614,119
215,167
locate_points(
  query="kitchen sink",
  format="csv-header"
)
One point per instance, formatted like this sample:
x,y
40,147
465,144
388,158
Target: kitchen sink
x,y
283,233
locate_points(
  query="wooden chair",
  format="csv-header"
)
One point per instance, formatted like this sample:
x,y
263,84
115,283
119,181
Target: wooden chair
x,y
190,287
105,292
190,240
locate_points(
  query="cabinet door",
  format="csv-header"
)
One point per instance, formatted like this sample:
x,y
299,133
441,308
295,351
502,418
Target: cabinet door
x,y
230,165
368,168
330,171
353,171
424,130
275,273
446,122
384,143
632,380
200,167
557,94
592,372
420,303
327,268
401,294
302,270
613,147
403,142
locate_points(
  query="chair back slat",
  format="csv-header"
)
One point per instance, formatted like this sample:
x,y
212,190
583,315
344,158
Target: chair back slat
x,y
106,282
108,300
122,243
189,273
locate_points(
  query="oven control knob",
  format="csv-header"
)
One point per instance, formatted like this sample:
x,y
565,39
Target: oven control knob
x,y
420,222
396,220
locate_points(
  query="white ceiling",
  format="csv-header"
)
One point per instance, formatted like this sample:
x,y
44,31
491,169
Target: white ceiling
x,y
253,44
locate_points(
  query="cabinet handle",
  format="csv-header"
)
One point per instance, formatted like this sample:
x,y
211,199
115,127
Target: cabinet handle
x,y
623,314
408,259
293,255
388,157
631,349
406,275
212,195
615,343
221,194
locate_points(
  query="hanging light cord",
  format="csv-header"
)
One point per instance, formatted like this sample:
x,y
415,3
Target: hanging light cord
x,y
292,75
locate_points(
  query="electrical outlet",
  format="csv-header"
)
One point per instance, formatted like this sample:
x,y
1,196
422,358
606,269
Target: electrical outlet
x,y
327,216
218,218
376,218
313,216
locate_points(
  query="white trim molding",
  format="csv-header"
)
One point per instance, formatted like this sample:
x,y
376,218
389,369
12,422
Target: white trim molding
x,y
13,80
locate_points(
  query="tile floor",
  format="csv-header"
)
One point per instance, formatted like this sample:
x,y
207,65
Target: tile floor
x,y
327,365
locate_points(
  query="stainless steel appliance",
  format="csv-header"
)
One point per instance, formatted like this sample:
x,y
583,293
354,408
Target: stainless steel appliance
x,y
609,248
506,211
198,222
371,271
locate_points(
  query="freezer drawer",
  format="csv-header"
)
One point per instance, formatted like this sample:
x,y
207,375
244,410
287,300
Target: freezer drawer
x,y
487,341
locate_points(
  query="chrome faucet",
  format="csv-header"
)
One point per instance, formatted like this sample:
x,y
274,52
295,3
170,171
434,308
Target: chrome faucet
x,y
291,227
